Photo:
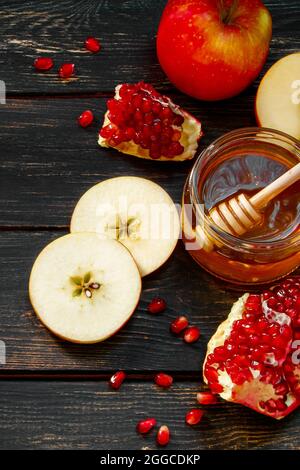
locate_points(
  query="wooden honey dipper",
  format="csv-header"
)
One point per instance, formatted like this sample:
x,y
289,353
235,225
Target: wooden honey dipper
x,y
240,213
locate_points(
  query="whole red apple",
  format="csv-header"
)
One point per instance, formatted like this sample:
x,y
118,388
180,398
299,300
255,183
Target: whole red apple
x,y
213,49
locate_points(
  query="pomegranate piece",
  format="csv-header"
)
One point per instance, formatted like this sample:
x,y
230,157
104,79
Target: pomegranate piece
x,y
117,379
191,334
86,118
163,380
178,325
142,122
43,63
66,71
206,398
92,44
194,416
143,427
157,305
253,358
163,436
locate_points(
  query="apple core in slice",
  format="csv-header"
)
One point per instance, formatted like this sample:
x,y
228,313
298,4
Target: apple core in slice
x,y
136,212
84,289
278,96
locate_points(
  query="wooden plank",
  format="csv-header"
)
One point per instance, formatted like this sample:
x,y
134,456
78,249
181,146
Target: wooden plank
x,y
144,344
87,415
48,162
127,32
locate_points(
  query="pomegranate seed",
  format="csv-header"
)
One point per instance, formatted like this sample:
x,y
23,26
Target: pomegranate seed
x,y
216,388
86,118
163,380
146,106
178,325
157,305
117,379
66,70
176,136
129,133
191,334
166,113
107,131
92,44
194,416
206,398
145,426
175,149
43,63
211,374
178,120
163,436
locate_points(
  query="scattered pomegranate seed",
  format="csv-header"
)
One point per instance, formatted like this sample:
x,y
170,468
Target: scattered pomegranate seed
x,y
92,44
117,379
66,70
191,334
86,118
157,305
163,380
194,416
179,324
145,426
206,398
163,436
43,63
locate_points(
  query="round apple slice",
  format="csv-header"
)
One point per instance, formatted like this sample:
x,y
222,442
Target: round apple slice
x,y
136,212
84,289
278,96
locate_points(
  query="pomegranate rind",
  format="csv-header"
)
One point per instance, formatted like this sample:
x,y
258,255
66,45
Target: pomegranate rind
x,y
244,393
191,134
224,329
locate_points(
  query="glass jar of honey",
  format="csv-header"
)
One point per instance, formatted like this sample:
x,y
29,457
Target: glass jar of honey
x,y
244,161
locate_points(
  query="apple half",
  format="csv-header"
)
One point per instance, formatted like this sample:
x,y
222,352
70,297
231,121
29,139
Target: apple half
x,y
278,97
136,212
84,289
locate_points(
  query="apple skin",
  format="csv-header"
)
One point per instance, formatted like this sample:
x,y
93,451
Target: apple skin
x,y
210,58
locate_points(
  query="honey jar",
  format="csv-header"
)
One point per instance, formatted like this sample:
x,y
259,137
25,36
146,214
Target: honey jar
x,y
244,161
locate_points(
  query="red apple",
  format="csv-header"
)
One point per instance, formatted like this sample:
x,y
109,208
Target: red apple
x,y
213,49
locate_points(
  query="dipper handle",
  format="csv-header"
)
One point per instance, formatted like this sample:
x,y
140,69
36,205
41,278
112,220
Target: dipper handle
x,y
260,199
240,213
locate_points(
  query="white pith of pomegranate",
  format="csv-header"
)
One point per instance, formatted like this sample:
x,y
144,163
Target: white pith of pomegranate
x,y
252,357
142,122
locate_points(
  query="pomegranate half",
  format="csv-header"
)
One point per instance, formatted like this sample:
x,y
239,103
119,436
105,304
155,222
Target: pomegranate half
x,y
142,122
254,356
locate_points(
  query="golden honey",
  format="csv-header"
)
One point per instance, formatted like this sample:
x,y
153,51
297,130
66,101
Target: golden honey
x,y
244,161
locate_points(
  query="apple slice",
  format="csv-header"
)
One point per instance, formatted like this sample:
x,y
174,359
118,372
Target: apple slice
x,y
278,96
136,212
84,289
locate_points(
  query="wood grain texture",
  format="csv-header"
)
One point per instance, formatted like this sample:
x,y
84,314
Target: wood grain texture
x,y
127,31
49,161
88,415
144,344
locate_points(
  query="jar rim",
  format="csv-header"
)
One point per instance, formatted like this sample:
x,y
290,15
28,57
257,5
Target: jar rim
x,y
216,232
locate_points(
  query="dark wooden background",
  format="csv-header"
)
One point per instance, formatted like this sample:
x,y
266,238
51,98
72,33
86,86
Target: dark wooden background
x,y
54,394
